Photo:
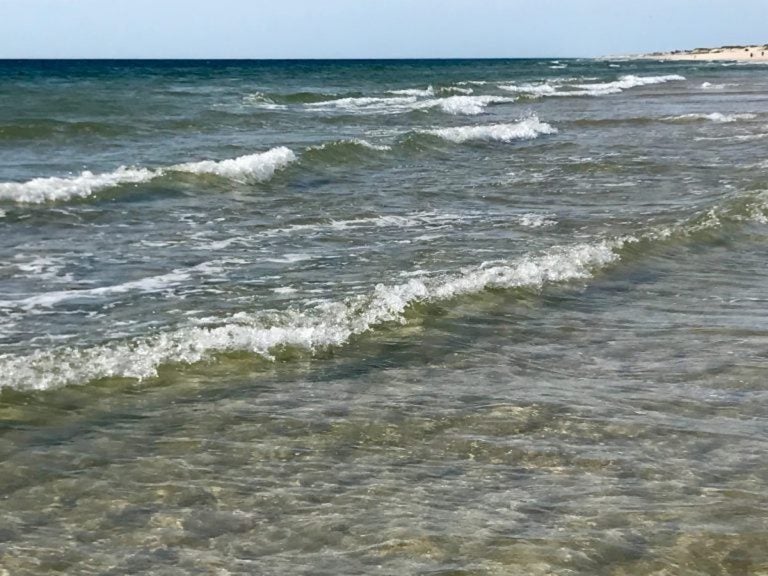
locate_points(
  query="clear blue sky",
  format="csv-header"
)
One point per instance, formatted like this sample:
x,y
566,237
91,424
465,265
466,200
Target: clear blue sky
x,y
370,28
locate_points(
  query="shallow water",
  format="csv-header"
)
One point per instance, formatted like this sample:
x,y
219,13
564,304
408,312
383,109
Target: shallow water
x,y
453,317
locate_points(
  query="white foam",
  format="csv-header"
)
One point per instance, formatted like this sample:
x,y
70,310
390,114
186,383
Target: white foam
x,y
428,91
354,141
263,101
254,167
289,258
524,130
143,285
39,190
46,268
536,220
466,105
430,219
713,117
623,83
367,105
560,88
456,90
535,90
257,167
326,324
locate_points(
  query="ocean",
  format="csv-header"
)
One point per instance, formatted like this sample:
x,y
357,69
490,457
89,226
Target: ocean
x,y
473,317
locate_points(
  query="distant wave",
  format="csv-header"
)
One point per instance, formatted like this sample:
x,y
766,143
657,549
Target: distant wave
x,y
524,130
558,88
713,117
409,100
256,167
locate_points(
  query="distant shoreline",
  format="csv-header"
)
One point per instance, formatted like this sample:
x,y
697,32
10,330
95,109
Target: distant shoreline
x,y
746,53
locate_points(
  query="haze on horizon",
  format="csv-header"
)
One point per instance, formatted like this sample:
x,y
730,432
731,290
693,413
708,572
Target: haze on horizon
x,y
371,28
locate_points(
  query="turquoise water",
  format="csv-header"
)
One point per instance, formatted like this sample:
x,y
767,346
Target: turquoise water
x,y
391,317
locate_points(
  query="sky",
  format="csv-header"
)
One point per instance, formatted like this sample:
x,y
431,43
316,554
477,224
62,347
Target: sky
x,y
371,28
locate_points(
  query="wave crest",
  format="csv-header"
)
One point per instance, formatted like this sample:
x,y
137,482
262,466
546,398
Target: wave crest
x,y
39,190
258,167
524,130
254,167
326,325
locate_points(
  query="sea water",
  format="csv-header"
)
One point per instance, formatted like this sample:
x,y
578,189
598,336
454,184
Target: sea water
x,y
383,317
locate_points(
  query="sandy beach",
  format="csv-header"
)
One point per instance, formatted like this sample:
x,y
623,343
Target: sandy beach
x,y
751,53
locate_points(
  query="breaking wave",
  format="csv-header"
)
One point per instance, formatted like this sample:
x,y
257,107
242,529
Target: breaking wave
x,y
253,167
39,190
325,325
333,324
256,167
591,89
524,130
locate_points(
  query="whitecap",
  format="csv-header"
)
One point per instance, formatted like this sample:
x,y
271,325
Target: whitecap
x,y
428,91
39,190
367,105
258,167
466,105
526,129
255,167
590,89
623,83
325,325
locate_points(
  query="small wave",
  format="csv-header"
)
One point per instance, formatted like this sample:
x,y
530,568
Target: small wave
x,y
590,89
256,167
531,89
429,91
524,130
623,83
456,104
332,324
39,190
351,143
253,167
465,105
281,101
367,104
713,117
455,90
325,325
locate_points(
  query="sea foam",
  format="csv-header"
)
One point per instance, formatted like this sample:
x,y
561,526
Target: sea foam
x,y
256,167
464,105
589,89
39,190
526,129
322,326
